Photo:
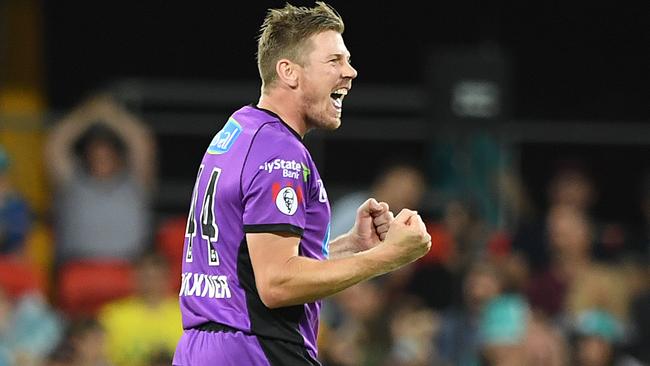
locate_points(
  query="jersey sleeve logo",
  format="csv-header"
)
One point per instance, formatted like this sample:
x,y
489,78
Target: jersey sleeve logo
x,y
224,139
322,193
287,199
305,172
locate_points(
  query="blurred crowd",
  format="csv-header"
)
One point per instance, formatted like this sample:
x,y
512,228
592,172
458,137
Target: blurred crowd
x,y
93,281
504,283
87,283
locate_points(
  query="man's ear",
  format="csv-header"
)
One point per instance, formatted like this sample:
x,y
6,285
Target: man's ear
x,y
287,72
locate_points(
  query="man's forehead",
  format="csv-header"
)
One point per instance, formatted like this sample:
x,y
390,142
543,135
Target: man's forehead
x,y
330,43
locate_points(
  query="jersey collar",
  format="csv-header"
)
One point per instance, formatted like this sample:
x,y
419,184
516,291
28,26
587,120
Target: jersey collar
x,y
273,114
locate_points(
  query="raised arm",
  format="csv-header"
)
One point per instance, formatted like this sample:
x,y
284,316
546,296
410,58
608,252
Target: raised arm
x,y
284,278
138,139
59,147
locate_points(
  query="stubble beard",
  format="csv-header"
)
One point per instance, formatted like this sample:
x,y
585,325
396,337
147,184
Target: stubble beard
x,y
315,117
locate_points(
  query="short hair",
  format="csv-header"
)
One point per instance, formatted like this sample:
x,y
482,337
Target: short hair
x,y
100,132
285,33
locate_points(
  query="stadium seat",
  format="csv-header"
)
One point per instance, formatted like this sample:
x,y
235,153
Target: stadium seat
x,y
84,286
18,276
169,242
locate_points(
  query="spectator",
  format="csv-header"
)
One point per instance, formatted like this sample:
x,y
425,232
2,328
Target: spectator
x,y
545,344
597,339
460,239
14,213
412,326
147,323
355,327
457,341
462,223
29,329
573,282
570,186
84,345
502,331
400,185
509,334
102,198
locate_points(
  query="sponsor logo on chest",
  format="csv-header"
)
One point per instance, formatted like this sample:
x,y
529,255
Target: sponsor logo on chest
x,y
290,168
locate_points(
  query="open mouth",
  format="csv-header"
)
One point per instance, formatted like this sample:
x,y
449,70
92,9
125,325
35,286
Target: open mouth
x,y
337,97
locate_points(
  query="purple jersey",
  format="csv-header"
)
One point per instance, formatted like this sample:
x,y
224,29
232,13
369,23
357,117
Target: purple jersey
x,y
256,177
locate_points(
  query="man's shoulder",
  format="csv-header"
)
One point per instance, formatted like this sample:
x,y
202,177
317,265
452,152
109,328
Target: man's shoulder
x,y
263,123
262,138
273,138
242,129
253,119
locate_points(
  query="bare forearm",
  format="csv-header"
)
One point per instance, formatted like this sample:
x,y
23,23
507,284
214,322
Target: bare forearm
x,y
343,246
301,280
285,278
59,148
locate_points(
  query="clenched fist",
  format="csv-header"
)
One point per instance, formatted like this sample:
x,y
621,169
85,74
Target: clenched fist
x,y
407,239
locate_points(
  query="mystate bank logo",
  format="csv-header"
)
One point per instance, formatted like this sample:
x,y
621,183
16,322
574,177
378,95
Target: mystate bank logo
x,y
287,198
290,168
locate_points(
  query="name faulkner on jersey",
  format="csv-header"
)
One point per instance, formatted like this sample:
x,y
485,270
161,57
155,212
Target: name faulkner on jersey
x,y
257,242
248,183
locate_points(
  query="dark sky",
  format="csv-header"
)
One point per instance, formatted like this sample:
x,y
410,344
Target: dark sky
x,y
572,60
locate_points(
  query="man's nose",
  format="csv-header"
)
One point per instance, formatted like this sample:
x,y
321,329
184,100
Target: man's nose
x,y
350,72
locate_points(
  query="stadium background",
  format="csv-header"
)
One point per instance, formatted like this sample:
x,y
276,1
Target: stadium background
x,y
570,62
569,82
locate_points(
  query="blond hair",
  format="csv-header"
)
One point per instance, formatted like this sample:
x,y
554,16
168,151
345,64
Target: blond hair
x,y
285,33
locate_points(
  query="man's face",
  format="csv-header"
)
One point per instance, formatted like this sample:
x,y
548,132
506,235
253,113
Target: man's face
x,y
103,160
594,351
480,287
569,231
325,79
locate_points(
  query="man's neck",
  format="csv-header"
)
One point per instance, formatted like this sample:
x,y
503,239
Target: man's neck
x,y
284,105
